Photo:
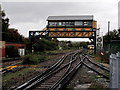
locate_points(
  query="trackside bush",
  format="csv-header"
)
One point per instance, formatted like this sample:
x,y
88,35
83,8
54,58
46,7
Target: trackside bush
x,y
33,59
43,45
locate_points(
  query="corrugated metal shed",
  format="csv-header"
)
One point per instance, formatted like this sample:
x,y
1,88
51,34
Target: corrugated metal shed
x,y
80,17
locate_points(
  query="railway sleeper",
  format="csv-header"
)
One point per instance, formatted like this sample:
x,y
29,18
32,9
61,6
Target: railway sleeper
x,y
99,65
95,71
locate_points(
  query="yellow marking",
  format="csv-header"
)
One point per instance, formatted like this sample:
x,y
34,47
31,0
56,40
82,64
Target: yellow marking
x,y
9,68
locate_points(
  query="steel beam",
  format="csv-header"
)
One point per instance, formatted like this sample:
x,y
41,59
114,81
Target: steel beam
x,y
64,34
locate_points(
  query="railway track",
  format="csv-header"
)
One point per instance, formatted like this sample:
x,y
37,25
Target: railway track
x,y
97,68
58,75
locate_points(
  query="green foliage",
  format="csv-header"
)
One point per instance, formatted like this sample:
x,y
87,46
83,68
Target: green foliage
x,y
112,47
5,22
73,45
66,45
11,52
34,58
112,35
10,35
84,44
43,44
109,45
3,13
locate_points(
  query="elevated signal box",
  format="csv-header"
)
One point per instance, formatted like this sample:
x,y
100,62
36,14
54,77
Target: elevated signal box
x,y
82,26
69,24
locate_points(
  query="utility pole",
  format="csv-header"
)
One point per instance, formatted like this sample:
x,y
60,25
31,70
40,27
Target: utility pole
x,y
108,31
109,37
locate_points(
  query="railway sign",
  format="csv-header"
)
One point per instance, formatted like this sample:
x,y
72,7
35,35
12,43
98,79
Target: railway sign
x,y
99,39
99,43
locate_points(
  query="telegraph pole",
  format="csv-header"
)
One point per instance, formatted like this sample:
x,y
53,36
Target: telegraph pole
x,y
109,37
108,31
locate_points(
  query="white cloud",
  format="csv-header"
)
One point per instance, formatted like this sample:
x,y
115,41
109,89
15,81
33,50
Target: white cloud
x,y
60,1
24,28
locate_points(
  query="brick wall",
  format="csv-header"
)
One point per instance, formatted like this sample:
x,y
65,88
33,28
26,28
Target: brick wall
x,y
2,49
17,45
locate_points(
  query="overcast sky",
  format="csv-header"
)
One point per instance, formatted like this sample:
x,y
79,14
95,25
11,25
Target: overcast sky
x,y
32,15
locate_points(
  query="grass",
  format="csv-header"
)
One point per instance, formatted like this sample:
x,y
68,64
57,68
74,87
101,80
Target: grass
x,y
97,86
35,58
58,51
9,76
98,57
9,59
30,59
90,52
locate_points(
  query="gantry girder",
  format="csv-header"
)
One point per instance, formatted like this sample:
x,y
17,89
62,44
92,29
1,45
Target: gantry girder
x,y
91,34
62,34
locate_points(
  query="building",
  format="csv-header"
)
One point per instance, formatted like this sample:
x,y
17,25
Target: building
x,y
15,41
18,46
71,23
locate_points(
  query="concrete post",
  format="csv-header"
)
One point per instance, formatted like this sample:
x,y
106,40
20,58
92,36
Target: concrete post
x,y
118,58
114,71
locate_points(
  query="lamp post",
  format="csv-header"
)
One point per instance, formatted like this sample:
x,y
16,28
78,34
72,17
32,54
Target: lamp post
x,y
108,30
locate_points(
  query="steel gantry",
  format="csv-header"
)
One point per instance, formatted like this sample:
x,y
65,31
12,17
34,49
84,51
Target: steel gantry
x,y
76,26
91,34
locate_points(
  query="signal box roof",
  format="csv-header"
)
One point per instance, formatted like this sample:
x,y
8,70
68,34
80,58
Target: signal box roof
x,y
64,18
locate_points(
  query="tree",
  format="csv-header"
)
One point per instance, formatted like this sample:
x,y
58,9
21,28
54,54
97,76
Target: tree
x,y
112,35
5,22
83,44
10,35
111,42
44,44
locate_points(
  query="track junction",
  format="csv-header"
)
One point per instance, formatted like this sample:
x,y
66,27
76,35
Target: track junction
x,y
59,74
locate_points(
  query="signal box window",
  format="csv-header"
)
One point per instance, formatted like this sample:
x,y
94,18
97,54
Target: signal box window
x,y
69,23
61,23
78,23
87,23
52,23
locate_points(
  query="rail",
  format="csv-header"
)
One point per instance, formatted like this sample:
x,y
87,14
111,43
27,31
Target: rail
x,y
68,70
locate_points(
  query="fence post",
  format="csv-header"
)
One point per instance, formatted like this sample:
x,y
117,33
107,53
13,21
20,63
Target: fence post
x,y
114,70
113,75
118,58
